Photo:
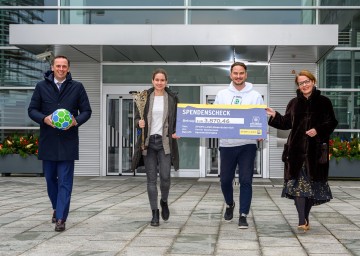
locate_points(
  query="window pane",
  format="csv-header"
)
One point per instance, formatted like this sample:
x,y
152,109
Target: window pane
x,y
13,108
9,132
27,17
336,70
122,3
252,17
345,135
20,68
251,2
347,108
188,147
181,74
343,18
29,3
340,2
122,17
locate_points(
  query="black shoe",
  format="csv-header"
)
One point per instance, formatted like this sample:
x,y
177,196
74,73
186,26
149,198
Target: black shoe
x,y
165,213
60,225
53,219
155,218
229,213
242,222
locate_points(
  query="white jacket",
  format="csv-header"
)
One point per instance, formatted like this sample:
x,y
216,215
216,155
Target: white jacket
x,y
247,96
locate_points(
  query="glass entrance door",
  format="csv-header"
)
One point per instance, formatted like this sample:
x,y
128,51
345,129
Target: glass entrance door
x,y
120,134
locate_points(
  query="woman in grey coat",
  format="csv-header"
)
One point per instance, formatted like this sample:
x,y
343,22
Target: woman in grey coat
x,y
160,148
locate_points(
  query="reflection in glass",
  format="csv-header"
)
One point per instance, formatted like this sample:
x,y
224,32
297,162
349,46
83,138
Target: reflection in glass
x,y
127,135
339,3
120,135
18,67
188,147
9,132
122,3
13,108
112,135
252,17
251,3
334,16
29,3
181,74
345,135
347,108
336,70
122,17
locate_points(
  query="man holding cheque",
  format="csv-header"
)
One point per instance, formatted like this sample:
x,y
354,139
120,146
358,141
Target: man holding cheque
x,y
238,152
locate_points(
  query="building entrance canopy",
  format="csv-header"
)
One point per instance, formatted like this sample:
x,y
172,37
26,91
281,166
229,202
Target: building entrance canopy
x,y
179,43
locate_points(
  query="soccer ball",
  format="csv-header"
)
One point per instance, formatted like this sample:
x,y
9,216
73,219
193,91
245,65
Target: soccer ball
x,y
61,118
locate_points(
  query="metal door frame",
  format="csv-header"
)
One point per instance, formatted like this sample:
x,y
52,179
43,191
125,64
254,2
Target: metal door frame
x,y
120,140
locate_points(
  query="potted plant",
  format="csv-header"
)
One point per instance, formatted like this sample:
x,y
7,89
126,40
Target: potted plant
x,y
344,158
18,154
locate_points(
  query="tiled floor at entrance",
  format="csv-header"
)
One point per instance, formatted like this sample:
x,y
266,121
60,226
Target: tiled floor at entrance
x,y
110,216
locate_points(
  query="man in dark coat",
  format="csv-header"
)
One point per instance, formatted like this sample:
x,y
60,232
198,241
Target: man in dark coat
x,y
59,148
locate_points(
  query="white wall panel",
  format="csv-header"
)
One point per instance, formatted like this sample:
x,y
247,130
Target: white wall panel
x,y
89,163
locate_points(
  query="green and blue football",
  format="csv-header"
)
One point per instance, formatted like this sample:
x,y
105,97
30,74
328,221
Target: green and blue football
x,y
61,118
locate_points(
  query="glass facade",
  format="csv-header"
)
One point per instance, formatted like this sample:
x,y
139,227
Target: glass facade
x,y
252,3
180,74
339,71
122,17
347,108
29,3
19,67
251,17
188,147
122,3
339,2
13,108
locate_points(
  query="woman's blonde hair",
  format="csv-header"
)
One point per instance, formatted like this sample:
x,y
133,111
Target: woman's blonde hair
x,y
306,73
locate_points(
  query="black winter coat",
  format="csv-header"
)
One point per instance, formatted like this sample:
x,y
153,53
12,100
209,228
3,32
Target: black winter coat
x,y
301,115
55,144
172,105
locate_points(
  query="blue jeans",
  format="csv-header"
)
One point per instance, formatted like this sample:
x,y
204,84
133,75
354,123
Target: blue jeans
x,y
59,177
244,158
155,158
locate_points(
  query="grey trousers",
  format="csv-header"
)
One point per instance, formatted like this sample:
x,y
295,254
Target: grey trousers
x,y
154,160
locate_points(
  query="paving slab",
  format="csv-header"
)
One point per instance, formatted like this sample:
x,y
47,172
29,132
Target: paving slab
x,y
110,216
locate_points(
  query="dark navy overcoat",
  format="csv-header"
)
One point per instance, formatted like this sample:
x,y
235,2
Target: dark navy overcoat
x,y
55,144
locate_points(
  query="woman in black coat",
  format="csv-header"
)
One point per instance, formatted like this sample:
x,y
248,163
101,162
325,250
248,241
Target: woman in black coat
x,y
311,118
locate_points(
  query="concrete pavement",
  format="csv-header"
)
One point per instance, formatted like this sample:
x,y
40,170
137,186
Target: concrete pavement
x,y
111,215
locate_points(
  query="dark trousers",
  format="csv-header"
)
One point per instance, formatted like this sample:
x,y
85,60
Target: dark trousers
x,y
59,177
156,158
244,158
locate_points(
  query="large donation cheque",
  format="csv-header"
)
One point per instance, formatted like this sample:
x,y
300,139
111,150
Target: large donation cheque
x,y
221,121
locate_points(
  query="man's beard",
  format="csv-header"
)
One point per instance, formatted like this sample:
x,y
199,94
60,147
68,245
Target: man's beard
x,y
240,83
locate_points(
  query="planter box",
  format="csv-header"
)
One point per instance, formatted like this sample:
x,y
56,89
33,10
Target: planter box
x,y
344,168
16,164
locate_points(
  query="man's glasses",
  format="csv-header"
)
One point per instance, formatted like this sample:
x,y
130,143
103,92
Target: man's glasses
x,y
306,82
